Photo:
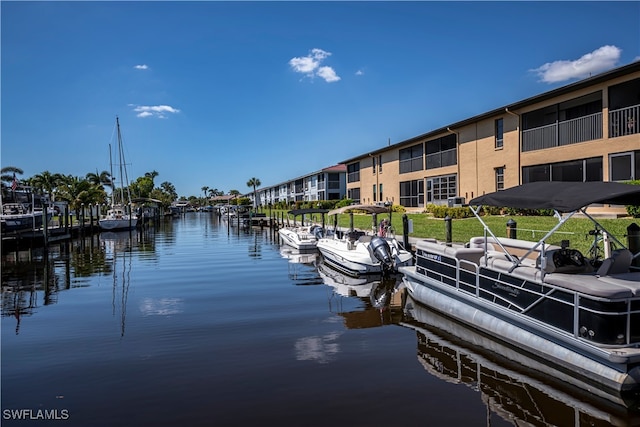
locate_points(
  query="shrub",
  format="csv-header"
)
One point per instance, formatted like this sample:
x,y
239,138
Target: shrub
x,y
441,211
634,211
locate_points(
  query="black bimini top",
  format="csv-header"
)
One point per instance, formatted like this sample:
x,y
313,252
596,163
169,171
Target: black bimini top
x,y
561,196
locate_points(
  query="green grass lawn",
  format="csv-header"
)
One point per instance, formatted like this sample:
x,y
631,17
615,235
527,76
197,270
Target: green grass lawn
x,y
528,227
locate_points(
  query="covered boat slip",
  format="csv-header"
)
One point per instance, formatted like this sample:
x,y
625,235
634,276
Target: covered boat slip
x,y
548,300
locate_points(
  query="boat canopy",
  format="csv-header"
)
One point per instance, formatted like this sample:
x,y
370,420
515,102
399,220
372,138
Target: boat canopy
x,y
296,212
561,196
372,209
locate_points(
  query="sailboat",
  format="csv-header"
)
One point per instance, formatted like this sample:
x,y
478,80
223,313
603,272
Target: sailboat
x,y
119,216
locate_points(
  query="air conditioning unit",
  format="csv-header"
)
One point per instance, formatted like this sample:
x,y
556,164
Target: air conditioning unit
x,y
455,202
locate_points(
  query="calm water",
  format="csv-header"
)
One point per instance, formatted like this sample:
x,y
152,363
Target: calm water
x,y
195,323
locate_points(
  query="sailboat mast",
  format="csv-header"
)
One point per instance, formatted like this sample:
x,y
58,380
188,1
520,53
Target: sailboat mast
x,y
113,189
120,160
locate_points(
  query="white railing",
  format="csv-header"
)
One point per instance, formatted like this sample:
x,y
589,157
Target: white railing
x,y
624,121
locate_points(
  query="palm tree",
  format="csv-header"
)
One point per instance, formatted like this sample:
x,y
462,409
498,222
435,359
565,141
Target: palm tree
x,y
7,174
47,182
170,189
102,178
151,175
79,191
254,182
204,190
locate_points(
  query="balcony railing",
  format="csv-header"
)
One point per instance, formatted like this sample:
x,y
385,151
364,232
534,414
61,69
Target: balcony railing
x,y
624,121
567,132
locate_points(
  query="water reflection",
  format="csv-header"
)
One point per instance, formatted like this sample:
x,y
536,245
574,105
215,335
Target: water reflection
x,y
35,278
322,349
517,388
380,300
117,248
31,279
301,266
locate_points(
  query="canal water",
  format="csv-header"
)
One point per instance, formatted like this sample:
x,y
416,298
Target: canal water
x,y
198,323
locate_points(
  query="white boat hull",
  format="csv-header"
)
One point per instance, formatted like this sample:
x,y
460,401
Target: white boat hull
x,y
118,224
298,238
355,258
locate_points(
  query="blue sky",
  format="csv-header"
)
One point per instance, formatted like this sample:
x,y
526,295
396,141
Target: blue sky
x,y
215,93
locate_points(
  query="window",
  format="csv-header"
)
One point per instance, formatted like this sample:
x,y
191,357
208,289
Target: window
x,y
411,159
624,166
575,170
411,193
353,172
500,178
381,198
354,194
380,163
441,152
375,191
373,160
439,189
499,133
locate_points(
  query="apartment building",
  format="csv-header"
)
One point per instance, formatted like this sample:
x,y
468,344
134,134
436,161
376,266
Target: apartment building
x,y
585,131
326,184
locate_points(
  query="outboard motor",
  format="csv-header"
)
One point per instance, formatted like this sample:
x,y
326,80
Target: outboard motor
x,y
381,250
318,232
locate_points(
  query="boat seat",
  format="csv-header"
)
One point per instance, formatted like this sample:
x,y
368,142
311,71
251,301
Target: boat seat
x,y
364,239
619,262
589,284
503,265
627,280
355,235
478,242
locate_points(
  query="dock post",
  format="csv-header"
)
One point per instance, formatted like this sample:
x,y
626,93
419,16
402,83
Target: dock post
x,y
81,216
405,232
447,229
633,242
374,222
45,226
512,229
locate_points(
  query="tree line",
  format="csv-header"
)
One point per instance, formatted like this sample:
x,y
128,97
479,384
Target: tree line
x,y
88,190
92,188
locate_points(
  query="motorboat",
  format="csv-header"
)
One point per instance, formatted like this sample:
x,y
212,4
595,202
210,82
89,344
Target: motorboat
x,y
303,236
547,300
357,252
120,215
18,216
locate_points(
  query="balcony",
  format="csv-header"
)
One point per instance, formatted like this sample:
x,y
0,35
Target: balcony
x,y
624,121
586,128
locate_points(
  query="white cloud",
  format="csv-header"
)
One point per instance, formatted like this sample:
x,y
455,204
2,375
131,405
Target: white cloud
x,y
599,60
158,111
328,74
359,73
310,65
141,67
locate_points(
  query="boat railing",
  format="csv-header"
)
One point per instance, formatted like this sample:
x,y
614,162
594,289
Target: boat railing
x,y
611,320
